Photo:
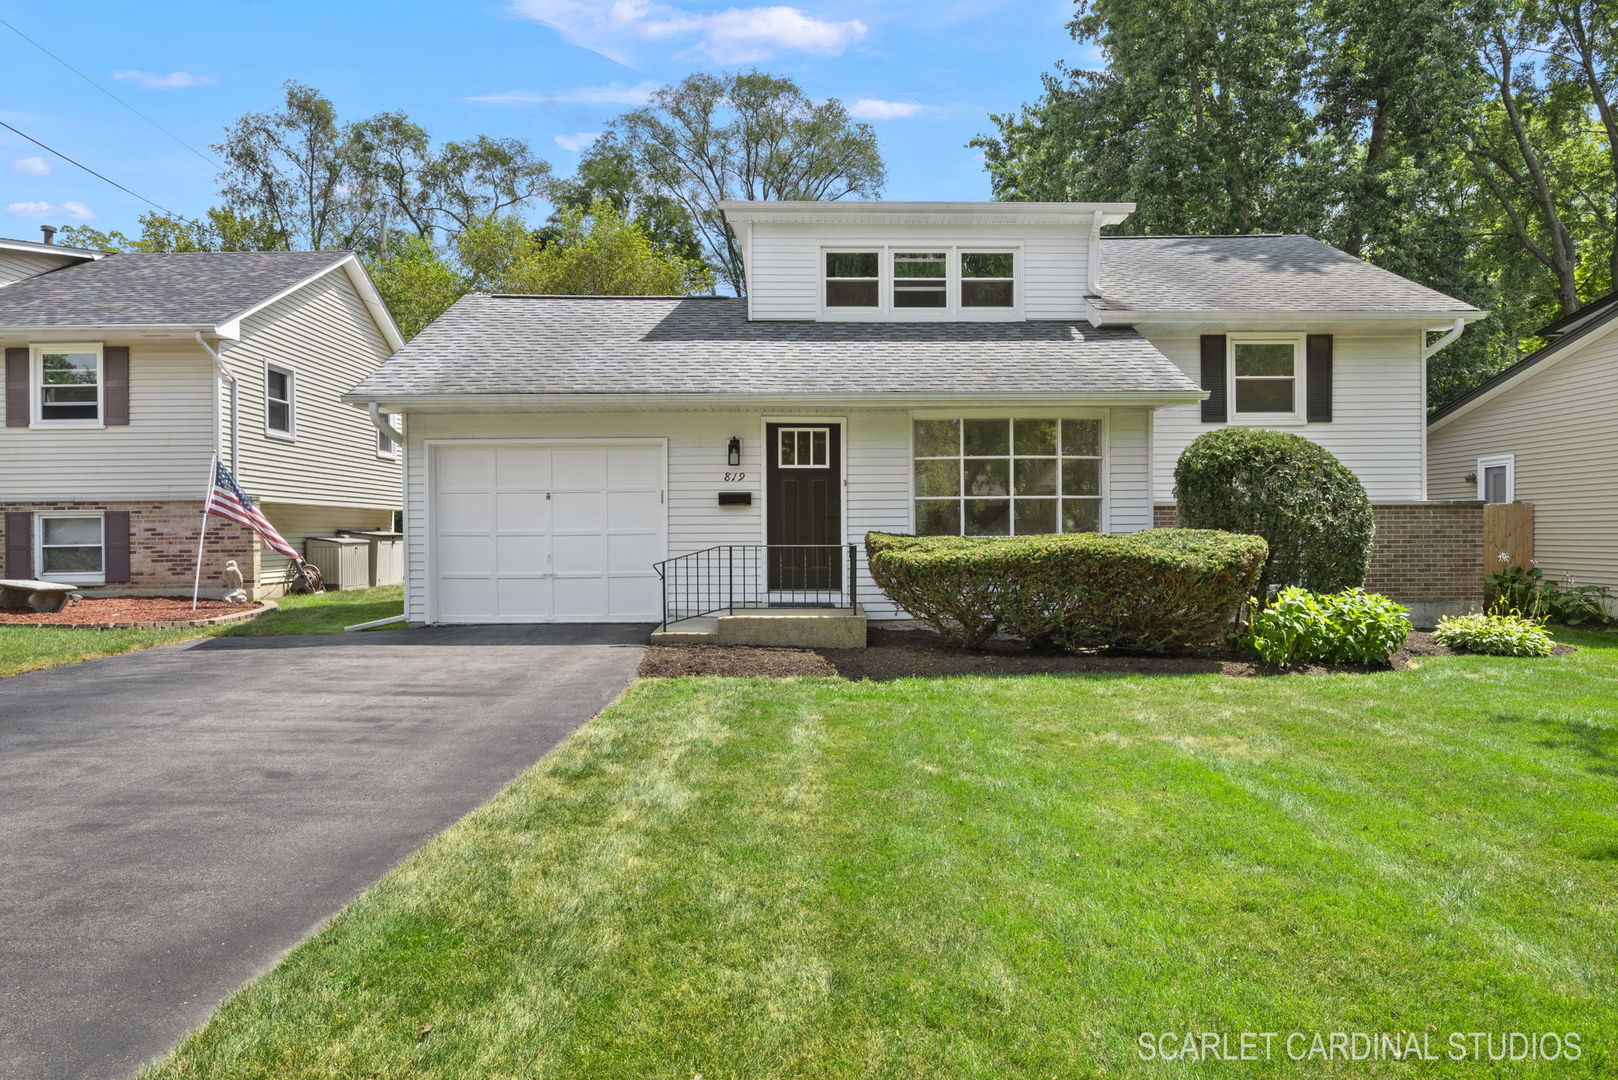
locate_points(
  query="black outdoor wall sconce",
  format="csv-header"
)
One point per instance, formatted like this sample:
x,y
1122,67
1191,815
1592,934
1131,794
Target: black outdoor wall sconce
x,y
733,453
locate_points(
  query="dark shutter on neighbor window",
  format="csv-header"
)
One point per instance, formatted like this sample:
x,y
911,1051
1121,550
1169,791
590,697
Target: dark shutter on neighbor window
x,y
115,385
1317,357
19,544
17,388
115,524
1214,409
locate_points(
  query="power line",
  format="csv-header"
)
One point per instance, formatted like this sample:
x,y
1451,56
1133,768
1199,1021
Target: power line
x,y
110,94
92,172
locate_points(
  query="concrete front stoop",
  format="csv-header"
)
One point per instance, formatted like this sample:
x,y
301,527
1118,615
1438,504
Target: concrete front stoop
x,y
792,628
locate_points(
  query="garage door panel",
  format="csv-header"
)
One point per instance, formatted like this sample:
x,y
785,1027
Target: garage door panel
x,y
634,510
578,554
579,511
522,468
522,555
523,599
633,468
463,467
521,511
465,554
461,599
633,550
465,510
635,597
579,470
580,598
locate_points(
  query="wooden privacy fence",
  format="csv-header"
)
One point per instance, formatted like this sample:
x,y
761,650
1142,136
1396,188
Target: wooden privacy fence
x,y
1508,536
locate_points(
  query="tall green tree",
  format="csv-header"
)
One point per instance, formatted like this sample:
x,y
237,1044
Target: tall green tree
x,y
745,136
607,171
223,230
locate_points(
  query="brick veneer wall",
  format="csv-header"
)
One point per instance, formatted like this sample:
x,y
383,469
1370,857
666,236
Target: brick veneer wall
x,y
1424,552
163,546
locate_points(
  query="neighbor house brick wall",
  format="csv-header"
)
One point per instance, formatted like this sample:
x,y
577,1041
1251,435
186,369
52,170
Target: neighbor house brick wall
x,y
163,546
1424,552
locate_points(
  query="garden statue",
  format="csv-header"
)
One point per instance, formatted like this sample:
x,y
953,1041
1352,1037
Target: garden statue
x,y
234,593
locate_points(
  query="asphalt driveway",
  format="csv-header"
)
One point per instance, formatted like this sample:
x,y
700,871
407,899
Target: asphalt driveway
x,y
172,821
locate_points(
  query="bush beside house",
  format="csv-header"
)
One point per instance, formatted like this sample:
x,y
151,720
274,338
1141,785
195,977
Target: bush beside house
x,y
1155,591
1309,507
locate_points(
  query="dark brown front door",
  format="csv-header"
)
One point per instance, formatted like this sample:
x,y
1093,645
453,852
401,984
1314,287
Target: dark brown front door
x,y
803,482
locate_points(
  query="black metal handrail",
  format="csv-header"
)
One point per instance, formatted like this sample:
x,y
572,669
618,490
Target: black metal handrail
x,y
732,577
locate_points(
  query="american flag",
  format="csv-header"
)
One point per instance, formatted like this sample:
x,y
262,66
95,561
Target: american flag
x,y
230,502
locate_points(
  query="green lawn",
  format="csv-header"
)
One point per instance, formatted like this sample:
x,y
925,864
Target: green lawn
x,y
990,877
27,648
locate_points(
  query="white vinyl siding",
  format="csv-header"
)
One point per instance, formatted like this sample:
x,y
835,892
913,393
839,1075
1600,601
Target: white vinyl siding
x,y
17,265
877,465
162,453
325,335
787,264
1558,425
1379,418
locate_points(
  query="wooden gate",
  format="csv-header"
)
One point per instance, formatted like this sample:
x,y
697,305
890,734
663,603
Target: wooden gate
x,y
1508,535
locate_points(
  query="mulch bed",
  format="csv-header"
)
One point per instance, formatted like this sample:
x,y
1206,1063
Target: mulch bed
x,y
899,654
102,611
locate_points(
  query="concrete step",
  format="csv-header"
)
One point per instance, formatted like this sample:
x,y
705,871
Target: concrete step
x,y
795,628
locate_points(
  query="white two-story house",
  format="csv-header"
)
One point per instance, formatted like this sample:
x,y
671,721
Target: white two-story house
x,y
126,373
976,368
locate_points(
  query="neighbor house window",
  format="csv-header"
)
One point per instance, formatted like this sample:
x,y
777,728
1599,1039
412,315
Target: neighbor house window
x,y
852,279
68,380
1007,477
70,549
387,447
988,279
1497,479
279,417
920,279
1265,373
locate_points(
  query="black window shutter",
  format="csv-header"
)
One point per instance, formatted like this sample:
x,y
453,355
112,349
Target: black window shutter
x,y
19,544
1214,409
17,399
1318,357
115,526
115,385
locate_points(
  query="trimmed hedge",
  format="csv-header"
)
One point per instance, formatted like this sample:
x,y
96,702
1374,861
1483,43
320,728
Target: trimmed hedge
x,y
1310,508
1155,591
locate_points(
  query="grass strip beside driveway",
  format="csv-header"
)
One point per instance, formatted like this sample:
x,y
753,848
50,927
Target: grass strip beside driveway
x,y
990,877
28,648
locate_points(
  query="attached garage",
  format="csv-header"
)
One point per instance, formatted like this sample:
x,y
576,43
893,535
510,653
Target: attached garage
x,y
547,530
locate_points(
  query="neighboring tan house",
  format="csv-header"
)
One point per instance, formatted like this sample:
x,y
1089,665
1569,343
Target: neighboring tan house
x,y
987,368
125,373
1545,431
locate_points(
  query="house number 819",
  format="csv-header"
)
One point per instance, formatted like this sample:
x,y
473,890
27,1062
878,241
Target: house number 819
x,y
735,477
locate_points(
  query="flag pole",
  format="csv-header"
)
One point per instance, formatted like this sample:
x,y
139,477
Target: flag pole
x,y
202,533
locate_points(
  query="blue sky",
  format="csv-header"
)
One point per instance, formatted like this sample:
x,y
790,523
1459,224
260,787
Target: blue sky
x,y
926,73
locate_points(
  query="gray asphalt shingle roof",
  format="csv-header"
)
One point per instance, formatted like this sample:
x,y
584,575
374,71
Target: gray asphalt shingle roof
x,y
169,288
705,345
1259,273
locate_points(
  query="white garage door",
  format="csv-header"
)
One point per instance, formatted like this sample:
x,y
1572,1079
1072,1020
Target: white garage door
x,y
547,532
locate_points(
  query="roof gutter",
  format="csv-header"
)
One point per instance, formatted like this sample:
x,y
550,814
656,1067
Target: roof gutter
x,y
519,401
1429,351
235,407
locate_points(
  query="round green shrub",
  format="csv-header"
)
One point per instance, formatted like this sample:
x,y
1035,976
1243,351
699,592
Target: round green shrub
x,y
1348,627
1156,591
1310,508
1493,635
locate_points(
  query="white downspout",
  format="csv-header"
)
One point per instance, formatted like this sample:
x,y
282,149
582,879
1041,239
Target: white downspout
x,y
1429,351
235,402
1095,253
374,411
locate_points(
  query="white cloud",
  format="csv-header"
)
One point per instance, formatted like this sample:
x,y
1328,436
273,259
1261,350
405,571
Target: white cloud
x,y
610,94
877,109
31,166
75,211
577,141
732,36
174,80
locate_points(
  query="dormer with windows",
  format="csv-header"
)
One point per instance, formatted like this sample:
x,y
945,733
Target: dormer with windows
x,y
919,262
